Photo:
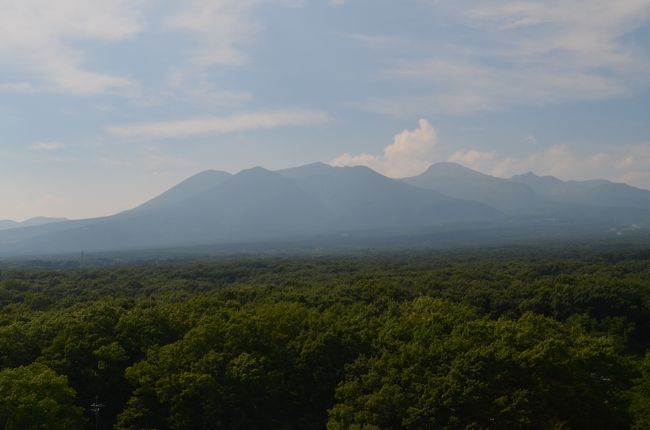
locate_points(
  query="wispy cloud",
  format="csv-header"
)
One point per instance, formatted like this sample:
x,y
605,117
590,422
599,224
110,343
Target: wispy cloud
x,y
39,37
524,52
220,125
410,153
219,28
374,41
17,87
47,146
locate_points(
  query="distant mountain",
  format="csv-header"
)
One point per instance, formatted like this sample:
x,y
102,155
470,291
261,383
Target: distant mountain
x,y
259,205
446,204
8,224
192,186
360,198
593,193
460,182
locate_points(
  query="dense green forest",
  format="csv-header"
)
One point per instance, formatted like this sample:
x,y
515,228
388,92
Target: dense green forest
x,y
491,339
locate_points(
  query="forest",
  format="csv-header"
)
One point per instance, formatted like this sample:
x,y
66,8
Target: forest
x,y
485,339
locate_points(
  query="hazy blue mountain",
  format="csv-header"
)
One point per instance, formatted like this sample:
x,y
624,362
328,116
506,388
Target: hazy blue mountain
x,y
592,193
358,197
307,171
40,221
8,224
259,205
447,204
460,182
252,205
192,186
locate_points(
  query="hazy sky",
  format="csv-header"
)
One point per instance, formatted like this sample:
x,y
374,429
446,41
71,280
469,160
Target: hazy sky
x,y
105,103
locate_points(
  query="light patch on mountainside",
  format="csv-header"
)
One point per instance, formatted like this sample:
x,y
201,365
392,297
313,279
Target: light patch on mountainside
x,y
410,153
629,164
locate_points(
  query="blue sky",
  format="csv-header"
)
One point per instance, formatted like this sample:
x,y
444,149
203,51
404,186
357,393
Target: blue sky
x,y
106,103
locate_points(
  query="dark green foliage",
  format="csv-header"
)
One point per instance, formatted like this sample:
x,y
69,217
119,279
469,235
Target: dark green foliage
x,y
35,397
410,341
641,397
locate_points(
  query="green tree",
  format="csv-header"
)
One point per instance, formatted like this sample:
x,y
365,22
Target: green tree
x,y
641,397
439,365
35,397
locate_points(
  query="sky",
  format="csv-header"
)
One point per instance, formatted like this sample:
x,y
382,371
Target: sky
x,y
106,103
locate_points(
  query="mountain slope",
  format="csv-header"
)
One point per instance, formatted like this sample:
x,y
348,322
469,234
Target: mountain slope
x,y
460,182
259,205
593,193
331,203
358,198
7,224
197,184
32,222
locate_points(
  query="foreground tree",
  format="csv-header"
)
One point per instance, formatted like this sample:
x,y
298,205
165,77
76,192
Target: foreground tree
x,y
440,366
35,397
641,397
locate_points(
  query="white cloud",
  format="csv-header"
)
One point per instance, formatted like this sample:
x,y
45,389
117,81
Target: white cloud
x,y
624,163
467,87
220,125
47,146
524,52
410,153
39,36
219,27
155,162
474,158
49,41
379,42
17,87
197,88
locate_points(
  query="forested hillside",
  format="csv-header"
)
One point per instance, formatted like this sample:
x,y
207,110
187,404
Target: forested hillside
x,y
479,340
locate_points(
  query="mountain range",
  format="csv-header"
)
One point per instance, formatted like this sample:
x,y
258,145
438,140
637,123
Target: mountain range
x,y
8,224
318,202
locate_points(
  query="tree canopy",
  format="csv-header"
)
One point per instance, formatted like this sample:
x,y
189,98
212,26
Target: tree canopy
x,y
494,340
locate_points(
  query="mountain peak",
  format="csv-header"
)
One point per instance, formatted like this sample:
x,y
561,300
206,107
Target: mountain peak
x,y
530,176
208,172
450,169
455,180
310,201
254,172
196,184
308,170
447,165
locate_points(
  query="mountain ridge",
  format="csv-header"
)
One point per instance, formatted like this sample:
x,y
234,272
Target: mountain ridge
x,y
31,222
594,192
319,200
